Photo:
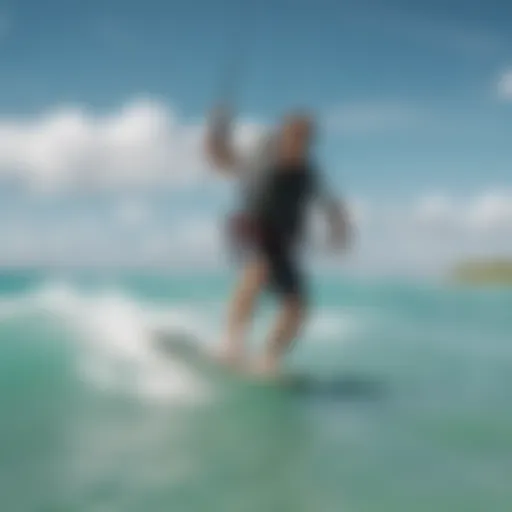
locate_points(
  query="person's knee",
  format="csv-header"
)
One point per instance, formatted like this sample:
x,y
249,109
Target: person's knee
x,y
295,305
254,277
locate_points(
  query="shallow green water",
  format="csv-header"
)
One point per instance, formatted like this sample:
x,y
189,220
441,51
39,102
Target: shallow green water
x,y
413,413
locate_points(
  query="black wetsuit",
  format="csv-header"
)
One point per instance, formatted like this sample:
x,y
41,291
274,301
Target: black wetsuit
x,y
278,209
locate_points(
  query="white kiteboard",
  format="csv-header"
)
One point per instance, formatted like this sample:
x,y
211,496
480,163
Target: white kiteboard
x,y
187,348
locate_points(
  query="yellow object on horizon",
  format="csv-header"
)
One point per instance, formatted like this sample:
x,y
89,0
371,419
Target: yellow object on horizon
x,y
485,272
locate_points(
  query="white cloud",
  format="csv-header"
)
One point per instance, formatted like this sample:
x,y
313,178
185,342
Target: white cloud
x,y
505,86
146,143
435,208
487,213
437,212
143,143
428,234
201,239
492,211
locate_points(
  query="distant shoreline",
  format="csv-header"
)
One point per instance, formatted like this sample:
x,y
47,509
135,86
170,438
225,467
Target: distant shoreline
x,y
498,271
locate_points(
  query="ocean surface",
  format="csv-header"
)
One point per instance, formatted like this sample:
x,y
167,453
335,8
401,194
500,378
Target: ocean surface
x,y
410,407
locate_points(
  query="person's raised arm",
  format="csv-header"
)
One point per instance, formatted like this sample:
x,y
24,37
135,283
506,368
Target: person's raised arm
x,y
339,222
336,213
218,141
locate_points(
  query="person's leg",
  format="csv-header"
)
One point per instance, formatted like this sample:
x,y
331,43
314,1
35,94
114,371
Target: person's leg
x,y
289,322
250,284
287,282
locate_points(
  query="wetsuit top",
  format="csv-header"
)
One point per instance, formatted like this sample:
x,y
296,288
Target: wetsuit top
x,y
275,195
280,200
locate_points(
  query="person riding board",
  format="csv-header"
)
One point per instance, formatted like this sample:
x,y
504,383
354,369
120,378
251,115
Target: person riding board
x,y
281,181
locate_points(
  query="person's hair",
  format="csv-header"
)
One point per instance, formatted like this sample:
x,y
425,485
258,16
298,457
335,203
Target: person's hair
x,y
304,117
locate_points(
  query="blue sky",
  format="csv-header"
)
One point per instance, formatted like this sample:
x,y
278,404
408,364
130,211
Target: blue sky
x,y
414,101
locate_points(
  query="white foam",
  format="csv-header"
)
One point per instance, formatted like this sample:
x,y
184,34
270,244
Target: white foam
x,y
332,325
114,337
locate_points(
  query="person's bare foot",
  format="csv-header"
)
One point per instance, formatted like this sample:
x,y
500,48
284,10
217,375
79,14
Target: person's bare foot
x,y
230,356
266,368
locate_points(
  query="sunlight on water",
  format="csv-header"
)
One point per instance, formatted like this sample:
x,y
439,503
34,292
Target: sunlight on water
x,y
406,407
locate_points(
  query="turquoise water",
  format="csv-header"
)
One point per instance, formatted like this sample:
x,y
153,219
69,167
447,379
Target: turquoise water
x,y
414,413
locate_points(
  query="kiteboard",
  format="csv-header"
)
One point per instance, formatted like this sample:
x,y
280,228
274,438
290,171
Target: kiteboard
x,y
188,349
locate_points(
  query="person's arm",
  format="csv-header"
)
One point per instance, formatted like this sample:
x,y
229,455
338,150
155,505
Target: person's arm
x,y
336,214
339,222
218,142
